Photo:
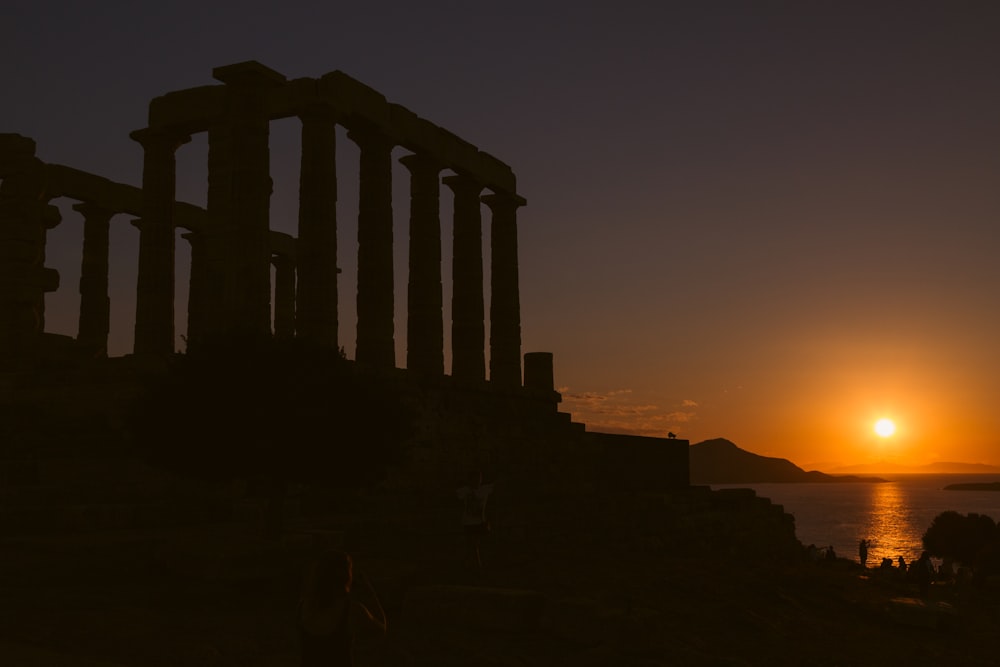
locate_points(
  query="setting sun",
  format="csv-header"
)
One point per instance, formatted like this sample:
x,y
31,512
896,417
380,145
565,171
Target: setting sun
x,y
885,427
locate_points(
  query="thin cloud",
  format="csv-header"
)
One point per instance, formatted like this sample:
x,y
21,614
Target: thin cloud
x,y
619,411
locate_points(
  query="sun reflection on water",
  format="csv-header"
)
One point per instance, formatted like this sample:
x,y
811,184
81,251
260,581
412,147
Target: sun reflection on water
x,y
891,525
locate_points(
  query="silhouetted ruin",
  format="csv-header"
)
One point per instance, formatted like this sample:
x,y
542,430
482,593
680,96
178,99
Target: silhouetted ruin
x,y
599,550
470,415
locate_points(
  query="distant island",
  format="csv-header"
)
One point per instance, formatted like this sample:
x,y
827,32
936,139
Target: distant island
x,y
720,461
973,486
936,468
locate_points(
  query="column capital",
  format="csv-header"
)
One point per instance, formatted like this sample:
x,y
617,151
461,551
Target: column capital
x,y
49,215
421,162
318,111
90,210
368,136
155,137
497,199
463,184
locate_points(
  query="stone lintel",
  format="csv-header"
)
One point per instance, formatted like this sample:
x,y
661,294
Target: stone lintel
x,y
124,198
248,73
86,187
117,197
68,182
190,217
293,98
457,153
188,111
414,133
355,101
497,175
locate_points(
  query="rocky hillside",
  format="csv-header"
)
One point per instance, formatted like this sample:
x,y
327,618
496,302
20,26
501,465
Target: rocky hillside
x,y
720,461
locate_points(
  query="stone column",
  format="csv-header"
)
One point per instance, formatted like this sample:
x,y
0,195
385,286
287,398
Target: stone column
x,y
375,337
95,304
316,305
505,300
25,216
468,357
154,305
239,193
538,371
284,297
425,318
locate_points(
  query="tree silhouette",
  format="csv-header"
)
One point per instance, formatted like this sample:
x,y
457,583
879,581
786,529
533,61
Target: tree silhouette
x,y
969,540
277,411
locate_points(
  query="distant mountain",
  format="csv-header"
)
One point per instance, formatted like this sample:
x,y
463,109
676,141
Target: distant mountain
x,y
940,468
720,461
973,486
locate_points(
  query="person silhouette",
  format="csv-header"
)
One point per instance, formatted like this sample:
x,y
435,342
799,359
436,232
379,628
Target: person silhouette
x,y
863,552
923,570
474,521
330,615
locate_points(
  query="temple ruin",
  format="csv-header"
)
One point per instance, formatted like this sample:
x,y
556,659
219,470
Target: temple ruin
x,y
233,248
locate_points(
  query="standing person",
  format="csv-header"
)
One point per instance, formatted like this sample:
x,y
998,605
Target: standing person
x,y
863,552
474,521
330,616
923,570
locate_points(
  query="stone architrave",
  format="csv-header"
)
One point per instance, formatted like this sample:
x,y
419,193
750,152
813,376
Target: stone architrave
x,y
284,297
316,304
95,303
468,329
154,306
425,318
505,303
375,333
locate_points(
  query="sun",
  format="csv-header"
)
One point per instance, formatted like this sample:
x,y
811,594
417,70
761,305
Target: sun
x,y
885,427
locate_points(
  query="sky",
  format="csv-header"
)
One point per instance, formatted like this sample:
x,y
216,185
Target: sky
x,y
772,222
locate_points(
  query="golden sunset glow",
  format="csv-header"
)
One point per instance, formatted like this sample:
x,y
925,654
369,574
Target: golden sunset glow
x,y
885,427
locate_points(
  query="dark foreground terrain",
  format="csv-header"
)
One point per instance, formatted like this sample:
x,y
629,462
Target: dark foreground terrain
x,y
617,581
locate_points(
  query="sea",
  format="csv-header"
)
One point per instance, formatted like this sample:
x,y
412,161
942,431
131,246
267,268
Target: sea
x,y
893,514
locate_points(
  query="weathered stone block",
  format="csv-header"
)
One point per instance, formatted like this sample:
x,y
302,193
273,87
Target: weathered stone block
x,y
250,72
458,153
354,99
191,110
496,174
